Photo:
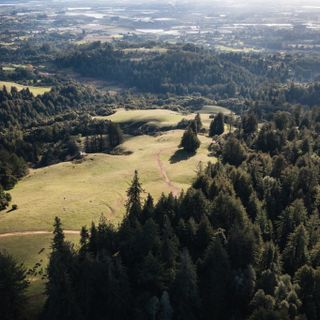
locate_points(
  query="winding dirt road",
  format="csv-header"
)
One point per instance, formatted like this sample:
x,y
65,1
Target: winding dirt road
x,y
31,233
175,190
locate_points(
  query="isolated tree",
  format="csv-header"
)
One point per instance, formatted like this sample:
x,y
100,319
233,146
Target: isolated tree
x,y
217,125
198,122
190,141
13,285
133,204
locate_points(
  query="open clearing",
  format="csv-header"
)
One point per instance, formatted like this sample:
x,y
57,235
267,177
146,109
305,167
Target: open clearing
x,y
162,118
152,117
80,193
35,90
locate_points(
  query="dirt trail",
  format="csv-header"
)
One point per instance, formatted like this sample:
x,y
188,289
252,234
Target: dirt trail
x,y
30,233
175,190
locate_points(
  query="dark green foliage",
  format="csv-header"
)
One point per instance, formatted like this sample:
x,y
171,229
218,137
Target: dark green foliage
x,y
249,124
217,125
215,281
189,141
13,285
133,204
309,283
185,294
227,248
233,152
115,135
296,253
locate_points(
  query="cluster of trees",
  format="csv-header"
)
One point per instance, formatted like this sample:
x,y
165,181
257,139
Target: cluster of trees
x,y
44,130
111,138
22,109
12,168
242,243
190,141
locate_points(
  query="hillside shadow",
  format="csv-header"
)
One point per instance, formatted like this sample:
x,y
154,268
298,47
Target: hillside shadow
x,y
181,155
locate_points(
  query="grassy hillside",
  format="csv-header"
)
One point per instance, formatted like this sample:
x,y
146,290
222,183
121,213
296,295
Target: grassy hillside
x,y
35,90
80,193
162,118
152,117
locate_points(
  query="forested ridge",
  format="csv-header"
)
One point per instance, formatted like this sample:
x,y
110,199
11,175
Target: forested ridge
x,y
189,69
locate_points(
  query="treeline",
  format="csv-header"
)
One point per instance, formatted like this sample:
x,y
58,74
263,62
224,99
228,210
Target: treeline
x,y
44,130
242,243
279,67
22,109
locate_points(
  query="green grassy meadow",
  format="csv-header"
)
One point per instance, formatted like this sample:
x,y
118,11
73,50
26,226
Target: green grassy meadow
x,y
162,118
81,192
152,117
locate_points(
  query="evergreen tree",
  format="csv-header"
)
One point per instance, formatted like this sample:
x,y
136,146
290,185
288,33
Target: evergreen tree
x,y
115,134
233,152
185,294
296,252
215,281
198,122
84,239
217,125
133,204
249,124
13,285
308,280
166,311
190,142
61,301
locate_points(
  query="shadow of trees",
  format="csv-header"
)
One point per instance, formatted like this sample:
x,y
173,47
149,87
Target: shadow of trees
x,y
181,155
